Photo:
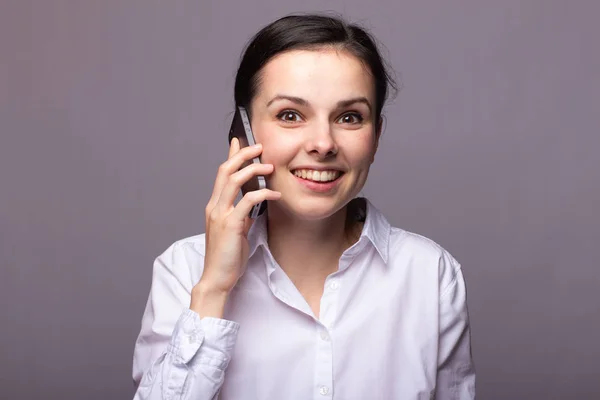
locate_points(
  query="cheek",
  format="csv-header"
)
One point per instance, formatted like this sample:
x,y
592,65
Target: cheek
x,y
263,136
276,151
279,148
361,153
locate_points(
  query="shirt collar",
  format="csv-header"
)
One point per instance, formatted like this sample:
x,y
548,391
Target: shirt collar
x,y
257,236
376,229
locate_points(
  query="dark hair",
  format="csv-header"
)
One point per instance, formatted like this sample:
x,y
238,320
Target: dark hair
x,y
296,32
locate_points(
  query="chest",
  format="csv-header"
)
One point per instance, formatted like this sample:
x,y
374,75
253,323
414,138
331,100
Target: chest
x,y
370,340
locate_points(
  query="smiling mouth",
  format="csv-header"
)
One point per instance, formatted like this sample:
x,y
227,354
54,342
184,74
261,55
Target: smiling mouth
x,y
317,176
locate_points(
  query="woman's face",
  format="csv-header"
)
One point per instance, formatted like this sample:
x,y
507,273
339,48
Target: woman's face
x,y
314,115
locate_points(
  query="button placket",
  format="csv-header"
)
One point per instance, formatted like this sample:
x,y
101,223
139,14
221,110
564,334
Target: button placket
x,y
324,363
324,340
324,390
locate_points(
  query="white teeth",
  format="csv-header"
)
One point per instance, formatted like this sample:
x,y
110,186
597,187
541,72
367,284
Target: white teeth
x,y
317,176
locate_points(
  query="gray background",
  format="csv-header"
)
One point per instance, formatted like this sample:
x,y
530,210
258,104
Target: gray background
x,y
113,116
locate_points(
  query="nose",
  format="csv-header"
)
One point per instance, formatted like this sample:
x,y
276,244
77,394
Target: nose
x,y
321,141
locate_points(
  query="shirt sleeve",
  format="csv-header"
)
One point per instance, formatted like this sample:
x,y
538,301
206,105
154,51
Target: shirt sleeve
x,y
179,355
456,372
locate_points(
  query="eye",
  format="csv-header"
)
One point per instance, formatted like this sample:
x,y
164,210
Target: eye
x,y
289,116
351,118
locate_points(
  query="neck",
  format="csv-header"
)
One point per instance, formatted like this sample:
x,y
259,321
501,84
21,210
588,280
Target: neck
x,y
308,250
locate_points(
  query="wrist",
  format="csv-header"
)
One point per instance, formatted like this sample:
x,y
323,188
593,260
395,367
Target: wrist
x,y
208,301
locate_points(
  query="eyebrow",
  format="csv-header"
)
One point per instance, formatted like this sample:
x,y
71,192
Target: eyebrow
x,y
300,101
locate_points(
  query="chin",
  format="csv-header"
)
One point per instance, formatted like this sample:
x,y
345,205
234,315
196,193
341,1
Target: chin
x,y
312,209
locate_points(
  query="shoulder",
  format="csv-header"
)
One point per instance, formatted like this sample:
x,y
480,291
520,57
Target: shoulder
x,y
189,245
424,255
183,259
195,243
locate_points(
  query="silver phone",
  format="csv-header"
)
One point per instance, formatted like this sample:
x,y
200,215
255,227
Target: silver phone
x,y
240,128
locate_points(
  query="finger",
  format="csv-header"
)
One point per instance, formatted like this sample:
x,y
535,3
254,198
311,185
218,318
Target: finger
x,y
250,199
234,147
233,163
237,180
242,155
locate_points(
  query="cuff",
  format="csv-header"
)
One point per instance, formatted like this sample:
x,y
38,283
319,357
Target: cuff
x,y
214,337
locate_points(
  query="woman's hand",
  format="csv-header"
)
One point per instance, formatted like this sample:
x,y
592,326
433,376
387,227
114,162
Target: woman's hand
x,y
227,228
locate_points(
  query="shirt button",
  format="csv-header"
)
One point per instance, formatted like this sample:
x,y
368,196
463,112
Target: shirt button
x,y
324,336
323,390
334,285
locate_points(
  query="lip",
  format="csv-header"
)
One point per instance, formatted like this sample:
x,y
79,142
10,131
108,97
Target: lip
x,y
319,168
319,187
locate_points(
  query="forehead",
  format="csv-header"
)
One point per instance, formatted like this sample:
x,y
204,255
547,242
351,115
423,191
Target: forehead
x,y
324,74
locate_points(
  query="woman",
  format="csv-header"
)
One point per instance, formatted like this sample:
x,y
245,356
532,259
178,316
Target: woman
x,y
319,297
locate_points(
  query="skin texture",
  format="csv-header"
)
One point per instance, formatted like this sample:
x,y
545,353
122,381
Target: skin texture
x,y
314,133
312,109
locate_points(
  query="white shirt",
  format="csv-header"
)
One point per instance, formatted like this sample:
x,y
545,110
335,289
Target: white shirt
x,y
393,324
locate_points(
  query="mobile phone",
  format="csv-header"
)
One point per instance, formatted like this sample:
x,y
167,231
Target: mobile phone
x,y
240,128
